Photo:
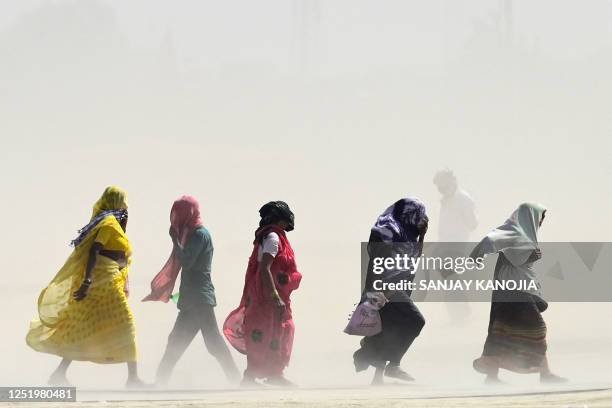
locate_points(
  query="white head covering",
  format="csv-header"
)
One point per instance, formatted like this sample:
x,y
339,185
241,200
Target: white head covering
x,y
517,237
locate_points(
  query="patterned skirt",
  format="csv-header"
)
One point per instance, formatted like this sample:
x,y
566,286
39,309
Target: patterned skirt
x,y
517,333
268,339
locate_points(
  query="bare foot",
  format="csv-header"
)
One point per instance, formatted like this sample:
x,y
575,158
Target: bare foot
x,y
249,382
550,378
493,380
59,380
136,384
485,365
397,373
378,377
280,381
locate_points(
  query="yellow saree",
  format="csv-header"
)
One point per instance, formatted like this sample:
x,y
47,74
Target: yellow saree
x,y
100,328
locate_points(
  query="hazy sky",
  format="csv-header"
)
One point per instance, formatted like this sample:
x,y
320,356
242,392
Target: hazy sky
x,y
351,32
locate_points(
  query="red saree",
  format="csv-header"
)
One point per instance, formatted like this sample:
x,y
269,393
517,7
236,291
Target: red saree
x,y
255,327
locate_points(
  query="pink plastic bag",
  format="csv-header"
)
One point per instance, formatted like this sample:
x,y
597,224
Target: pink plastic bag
x,y
365,320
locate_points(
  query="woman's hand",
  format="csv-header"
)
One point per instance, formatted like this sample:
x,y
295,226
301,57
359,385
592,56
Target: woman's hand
x,y
535,255
422,227
81,293
279,304
172,233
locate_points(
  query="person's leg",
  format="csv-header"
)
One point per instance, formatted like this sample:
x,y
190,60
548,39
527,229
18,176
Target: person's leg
x,y
407,326
378,375
374,349
493,376
133,380
393,369
185,329
215,343
282,335
456,301
248,378
409,332
58,377
488,363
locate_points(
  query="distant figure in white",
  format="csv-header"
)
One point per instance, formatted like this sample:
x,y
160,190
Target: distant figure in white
x,y
457,210
457,221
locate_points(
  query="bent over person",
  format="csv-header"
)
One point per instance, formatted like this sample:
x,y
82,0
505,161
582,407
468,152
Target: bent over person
x,y
400,229
516,339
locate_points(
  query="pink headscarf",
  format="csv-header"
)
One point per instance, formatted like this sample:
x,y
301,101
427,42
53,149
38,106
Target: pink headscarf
x,y
184,219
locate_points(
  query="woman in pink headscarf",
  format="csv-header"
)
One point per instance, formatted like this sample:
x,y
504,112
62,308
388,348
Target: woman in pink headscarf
x,y
192,252
262,325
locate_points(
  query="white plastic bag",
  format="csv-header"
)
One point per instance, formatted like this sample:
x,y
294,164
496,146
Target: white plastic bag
x,y
365,320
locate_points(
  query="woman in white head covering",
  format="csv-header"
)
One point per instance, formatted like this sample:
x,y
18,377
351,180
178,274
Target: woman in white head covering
x,y
516,339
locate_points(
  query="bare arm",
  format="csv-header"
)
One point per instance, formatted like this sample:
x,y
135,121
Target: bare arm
x,y
268,281
91,263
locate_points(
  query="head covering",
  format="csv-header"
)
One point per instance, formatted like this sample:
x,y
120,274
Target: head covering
x,y
184,220
112,202
517,237
113,198
185,217
276,211
399,222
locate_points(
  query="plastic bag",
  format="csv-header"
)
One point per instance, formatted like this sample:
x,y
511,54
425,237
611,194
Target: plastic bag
x,y
365,320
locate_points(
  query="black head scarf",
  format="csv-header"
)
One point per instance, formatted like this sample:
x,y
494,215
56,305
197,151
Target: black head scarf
x,y
276,211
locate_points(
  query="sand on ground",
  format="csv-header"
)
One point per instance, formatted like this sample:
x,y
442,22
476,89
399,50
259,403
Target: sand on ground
x,y
390,396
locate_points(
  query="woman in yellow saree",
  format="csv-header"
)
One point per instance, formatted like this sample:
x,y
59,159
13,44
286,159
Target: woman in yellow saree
x,y
83,314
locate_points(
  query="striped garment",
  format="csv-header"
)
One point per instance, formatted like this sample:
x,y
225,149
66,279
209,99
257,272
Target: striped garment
x,y
119,214
517,334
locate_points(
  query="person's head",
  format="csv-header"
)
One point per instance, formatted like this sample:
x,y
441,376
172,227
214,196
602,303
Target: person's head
x,y
403,221
411,215
277,213
445,181
113,198
530,214
185,212
527,219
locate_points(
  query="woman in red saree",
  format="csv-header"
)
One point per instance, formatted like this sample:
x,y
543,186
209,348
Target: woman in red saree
x,y
262,325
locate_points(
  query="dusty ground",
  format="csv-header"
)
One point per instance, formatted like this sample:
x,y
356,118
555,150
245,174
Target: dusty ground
x,y
389,397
